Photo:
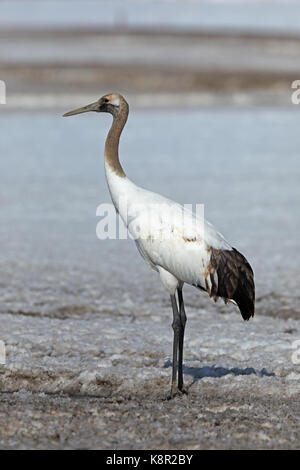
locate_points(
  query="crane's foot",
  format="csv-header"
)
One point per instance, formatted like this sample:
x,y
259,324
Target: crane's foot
x,y
175,392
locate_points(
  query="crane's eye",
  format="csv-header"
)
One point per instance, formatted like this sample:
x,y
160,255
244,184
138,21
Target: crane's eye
x,y
106,100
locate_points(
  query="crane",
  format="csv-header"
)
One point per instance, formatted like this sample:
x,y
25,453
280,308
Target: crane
x,y
180,246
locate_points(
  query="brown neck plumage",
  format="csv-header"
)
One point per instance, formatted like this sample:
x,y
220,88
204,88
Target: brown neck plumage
x,y
113,138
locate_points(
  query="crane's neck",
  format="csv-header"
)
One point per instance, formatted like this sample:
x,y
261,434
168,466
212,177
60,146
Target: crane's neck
x,y
111,152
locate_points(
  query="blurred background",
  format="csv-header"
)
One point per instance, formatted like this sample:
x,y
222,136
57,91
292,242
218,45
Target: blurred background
x,y
216,53
209,86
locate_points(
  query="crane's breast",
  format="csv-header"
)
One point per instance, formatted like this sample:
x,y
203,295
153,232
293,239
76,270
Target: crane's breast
x,y
165,240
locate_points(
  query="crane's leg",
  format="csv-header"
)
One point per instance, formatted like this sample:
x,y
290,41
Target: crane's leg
x,y
176,325
182,316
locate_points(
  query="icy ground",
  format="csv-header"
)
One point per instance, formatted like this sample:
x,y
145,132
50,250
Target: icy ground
x,y
101,381
87,326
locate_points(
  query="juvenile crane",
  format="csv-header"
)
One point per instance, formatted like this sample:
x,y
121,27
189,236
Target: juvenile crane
x,y
181,247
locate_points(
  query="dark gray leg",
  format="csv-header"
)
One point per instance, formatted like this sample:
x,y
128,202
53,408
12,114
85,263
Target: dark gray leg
x,y
176,325
182,316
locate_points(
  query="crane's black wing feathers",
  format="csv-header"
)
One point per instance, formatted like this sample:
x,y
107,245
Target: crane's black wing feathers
x,y
235,280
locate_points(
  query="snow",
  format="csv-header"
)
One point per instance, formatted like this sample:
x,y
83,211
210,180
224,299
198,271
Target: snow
x,y
106,358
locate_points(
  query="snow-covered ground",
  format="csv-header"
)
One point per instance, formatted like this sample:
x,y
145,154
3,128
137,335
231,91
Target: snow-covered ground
x,y
102,381
86,325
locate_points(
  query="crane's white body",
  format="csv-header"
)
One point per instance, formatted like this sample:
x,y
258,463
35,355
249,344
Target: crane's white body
x,y
171,239
181,246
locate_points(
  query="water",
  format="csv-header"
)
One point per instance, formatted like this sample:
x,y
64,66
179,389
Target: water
x,y
261,15
242,164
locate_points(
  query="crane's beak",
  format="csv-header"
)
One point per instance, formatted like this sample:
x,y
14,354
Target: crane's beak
x,y
90,107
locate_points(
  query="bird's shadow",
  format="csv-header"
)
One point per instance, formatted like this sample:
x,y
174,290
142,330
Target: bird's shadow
x,y
199,373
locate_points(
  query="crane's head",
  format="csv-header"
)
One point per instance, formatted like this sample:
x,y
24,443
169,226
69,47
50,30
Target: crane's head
x,y
112,103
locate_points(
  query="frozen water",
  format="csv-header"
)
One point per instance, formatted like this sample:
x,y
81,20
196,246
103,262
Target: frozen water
x,y
88,346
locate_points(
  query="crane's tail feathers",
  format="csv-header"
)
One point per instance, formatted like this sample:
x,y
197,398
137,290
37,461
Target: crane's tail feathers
x,y
235,280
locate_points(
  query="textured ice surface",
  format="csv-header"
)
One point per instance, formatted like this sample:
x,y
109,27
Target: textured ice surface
x,y
87,326
77,354
101,381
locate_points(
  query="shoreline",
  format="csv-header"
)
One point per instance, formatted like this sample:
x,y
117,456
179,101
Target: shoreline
x,y
18,103
149,66
161,30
